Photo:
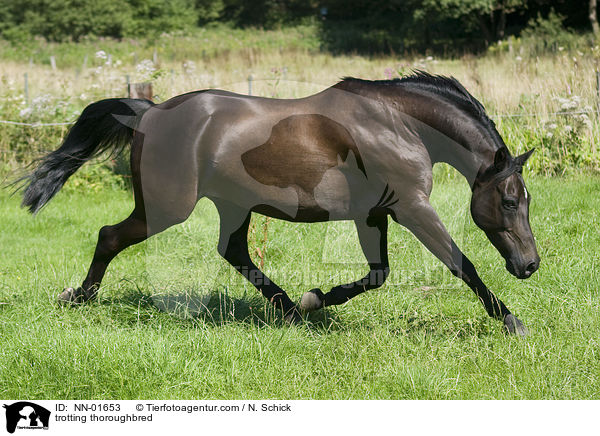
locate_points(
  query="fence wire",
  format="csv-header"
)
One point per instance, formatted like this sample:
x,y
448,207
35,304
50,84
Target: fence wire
x,y
19,123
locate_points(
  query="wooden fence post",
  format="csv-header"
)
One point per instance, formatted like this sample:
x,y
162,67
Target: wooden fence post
x,y
140,90
25,78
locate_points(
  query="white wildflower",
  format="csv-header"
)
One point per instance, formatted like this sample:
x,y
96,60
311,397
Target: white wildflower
x,y
549,135
101,54
585,120
189,67
567,104
43,103
552,126
145,68
568,128
25,113
518,59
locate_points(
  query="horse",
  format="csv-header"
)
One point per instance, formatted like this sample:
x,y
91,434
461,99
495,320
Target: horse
x,y
360,150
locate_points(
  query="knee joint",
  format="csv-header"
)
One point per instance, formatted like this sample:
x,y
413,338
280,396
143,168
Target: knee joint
x,y
108,239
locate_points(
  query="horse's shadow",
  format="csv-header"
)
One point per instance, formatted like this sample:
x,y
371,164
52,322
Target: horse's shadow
x,y
213,308
217,308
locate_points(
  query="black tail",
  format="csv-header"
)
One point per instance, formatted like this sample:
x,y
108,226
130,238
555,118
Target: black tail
x,y
99,128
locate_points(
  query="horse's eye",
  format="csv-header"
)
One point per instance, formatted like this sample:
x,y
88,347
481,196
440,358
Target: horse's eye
x,y
510,203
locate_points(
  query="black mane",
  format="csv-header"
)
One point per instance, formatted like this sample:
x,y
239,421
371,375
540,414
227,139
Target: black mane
x,y
447,87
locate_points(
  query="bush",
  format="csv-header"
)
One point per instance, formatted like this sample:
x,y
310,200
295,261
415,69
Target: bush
x,y
548,34
62,20
542,36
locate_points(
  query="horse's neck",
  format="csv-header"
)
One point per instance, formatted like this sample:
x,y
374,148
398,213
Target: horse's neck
x,y
449,134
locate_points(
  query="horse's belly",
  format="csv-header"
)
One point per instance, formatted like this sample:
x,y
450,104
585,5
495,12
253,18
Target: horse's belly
x,y
342,193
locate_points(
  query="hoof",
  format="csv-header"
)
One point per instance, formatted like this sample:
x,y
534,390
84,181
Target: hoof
x,y
70,296
293,317
514,326
312,300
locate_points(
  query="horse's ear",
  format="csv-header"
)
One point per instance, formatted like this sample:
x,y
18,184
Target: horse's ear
x,y
523,158
502,159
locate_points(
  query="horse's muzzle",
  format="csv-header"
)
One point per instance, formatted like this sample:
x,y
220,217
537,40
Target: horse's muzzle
x,y
525,270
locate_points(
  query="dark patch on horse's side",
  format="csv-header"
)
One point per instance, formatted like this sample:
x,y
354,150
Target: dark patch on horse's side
x,y
299,151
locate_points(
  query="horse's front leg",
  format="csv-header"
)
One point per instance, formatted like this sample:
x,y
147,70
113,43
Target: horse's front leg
x,y
233,246
372,234
426,225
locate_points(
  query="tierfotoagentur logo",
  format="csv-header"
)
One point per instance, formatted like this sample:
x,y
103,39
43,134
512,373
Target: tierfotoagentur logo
x,y
26,415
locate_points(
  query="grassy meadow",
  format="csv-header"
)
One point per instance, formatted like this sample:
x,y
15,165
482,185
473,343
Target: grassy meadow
x,y
188,326
173,320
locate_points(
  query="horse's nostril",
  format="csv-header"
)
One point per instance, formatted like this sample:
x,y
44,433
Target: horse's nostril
x,y
531,268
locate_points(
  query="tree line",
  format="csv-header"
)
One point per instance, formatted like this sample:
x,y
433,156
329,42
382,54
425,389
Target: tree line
x,y
343,25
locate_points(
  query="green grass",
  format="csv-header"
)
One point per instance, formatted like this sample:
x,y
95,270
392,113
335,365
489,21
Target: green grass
x,y
423,335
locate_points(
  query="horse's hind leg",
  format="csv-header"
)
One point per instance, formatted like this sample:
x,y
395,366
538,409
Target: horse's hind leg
x,y
148,218
114,239
372,234
111,241
233,246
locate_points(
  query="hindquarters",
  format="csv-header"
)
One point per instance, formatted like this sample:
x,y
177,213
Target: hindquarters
x,y
164,169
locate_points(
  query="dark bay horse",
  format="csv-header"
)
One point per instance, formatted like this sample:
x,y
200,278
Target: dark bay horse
x,y
360,150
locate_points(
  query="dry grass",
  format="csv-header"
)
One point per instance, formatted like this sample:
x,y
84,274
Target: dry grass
x,y
502,81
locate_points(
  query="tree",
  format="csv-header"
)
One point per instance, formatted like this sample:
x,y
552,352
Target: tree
x,y
594,18
490,15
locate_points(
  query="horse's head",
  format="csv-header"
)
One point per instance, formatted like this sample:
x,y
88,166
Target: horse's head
x,y
500,207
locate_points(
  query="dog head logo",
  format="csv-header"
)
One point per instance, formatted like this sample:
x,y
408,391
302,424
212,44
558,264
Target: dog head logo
x,y
26,415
